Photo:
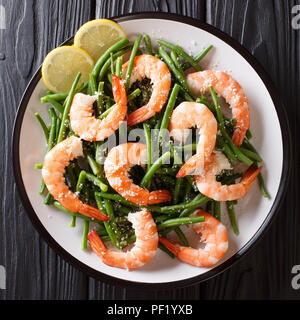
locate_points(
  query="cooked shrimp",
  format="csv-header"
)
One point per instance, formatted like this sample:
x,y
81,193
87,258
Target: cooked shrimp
x,y
116,166
188,115
143,251
210,187
147,66
233,93
89,128
53,174
213,233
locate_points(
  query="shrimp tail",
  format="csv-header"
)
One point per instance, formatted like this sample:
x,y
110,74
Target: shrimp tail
x,y
140,115
192,167
238,138
119,90
96,243
250,175
174,248
92,212
159,196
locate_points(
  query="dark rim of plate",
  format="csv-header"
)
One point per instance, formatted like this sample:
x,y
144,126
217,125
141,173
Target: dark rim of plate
x,y
286,138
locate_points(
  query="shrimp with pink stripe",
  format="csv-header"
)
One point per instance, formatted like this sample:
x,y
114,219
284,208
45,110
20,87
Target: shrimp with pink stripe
x,y
117,165
84,123
188,115
148,66
55,162
231,90
144,249
213,234
210,187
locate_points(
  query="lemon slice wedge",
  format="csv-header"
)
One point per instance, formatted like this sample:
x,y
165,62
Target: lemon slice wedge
x,y
96,36
61,66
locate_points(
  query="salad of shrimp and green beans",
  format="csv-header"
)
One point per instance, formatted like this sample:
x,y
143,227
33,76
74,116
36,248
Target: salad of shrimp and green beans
x,y
154,90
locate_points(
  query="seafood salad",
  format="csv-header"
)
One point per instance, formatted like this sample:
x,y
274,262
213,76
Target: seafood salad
x,y
144,144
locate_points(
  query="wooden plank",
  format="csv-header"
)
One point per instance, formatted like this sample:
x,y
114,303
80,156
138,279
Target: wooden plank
x,y
33,28
264,28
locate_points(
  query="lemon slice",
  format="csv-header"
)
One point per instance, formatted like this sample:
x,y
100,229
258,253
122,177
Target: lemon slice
x,y
96,36
61,66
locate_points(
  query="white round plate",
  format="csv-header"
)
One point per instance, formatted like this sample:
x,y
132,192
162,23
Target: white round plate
x,y
254,212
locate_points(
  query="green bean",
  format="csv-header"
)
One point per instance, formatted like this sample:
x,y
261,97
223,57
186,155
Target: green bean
x,y
176,73
100,105
131,60
157,164
180,52
148,44
188,147
112,66
107,63
181,236
55,96
93,164
48,199
97,182
187,190
73,222
38,166
86,225
58,124
235,149
51,139
165,250
78,215
119,63
179,221
43,125
163,210
217,210
246,144
239,154
197,58
80,181
186,96
174,209
93,84
148,143
225,148
177,190
262,183
59,107
251,155
249,134
217,107
107,226
231,213
175,60
67,109
199,198
109,78
168,112
121,43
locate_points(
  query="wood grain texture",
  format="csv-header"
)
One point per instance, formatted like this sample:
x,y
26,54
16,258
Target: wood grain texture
x,y
264,28
34,271
33,28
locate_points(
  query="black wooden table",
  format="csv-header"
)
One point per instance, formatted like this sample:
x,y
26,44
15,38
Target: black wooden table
x,y
30,29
